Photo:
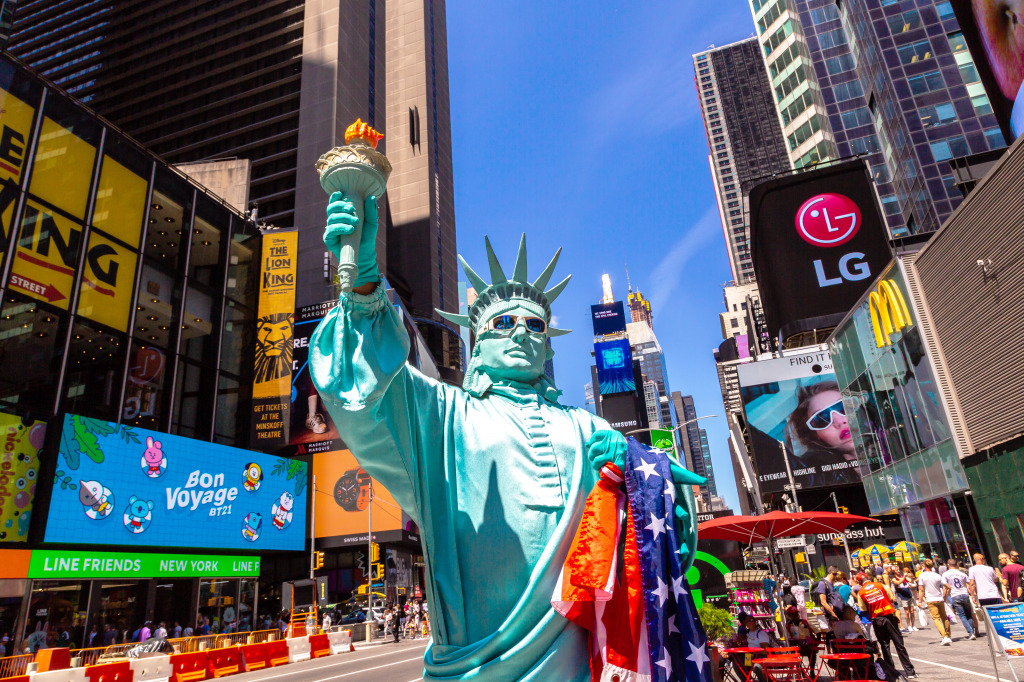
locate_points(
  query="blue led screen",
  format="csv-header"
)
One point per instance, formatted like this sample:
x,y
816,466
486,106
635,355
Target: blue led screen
x,y
614,367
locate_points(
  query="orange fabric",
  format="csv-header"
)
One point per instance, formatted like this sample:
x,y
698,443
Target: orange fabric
x,y
593,549
630,611
877,601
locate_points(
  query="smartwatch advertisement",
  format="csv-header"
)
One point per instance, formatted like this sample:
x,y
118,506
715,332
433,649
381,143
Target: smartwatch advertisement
x,y
117,484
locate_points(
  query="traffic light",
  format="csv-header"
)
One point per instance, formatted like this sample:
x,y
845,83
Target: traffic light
x,y
378,572
374,552
844,510
318,560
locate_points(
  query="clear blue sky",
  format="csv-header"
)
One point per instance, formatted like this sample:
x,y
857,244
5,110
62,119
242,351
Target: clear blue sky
x,y
578,124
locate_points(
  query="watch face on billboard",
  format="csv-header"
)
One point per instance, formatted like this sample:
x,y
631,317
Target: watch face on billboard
x,y
609,318
343,512
614,367
121,485
992,31
818,240
795,400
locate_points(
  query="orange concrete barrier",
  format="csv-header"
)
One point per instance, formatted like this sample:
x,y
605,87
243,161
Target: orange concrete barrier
x,y
19,678
58,658
110,672
319,646
277,652
254,656
223,662
189,667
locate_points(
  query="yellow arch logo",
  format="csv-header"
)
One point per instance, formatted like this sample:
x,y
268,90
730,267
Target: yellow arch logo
x,y
889,312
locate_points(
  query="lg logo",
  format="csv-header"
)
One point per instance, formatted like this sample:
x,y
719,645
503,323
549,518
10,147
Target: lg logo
x,y
827,220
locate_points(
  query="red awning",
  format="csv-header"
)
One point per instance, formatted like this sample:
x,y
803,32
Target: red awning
x,y
777,524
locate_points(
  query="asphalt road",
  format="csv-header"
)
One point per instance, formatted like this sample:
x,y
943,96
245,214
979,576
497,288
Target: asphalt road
x,y
401,662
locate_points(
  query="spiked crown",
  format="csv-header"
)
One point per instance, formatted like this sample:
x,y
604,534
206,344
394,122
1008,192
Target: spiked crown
x,y
502,293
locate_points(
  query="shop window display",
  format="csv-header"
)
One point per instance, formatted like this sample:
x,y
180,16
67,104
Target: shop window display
x,y
218,605
145,397
55,607
95,363
30,356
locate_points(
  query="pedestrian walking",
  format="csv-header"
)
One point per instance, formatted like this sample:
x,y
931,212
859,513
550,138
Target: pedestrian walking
x,y
905,588
827,597
983,582
874,600
932,591
398,613
959,596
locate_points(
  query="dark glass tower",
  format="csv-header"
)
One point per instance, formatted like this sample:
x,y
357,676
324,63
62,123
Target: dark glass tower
x,y
277,82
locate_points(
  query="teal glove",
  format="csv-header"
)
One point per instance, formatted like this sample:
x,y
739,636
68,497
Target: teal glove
x,y
686,512
607,446
341,221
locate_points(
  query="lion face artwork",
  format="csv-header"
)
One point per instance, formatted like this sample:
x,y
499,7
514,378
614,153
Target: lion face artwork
x,y
273,346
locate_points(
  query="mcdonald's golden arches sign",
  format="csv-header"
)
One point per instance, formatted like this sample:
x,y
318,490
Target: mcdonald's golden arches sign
x,y
889,312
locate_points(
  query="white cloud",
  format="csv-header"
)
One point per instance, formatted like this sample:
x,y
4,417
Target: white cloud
x,y
669,271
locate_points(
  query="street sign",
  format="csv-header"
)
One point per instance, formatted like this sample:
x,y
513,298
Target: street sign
x,y
811,550
789,543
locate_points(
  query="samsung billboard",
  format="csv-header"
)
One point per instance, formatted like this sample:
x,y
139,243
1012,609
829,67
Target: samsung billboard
x,y
793,404
122,485
818,240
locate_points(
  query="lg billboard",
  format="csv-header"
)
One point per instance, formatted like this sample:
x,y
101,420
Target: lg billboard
x,y
818,240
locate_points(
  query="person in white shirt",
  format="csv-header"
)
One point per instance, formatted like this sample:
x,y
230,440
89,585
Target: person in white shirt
x,y
959,596
983,582
932,589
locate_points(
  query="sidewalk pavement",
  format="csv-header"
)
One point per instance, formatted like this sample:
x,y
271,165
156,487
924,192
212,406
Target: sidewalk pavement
x,y
962,661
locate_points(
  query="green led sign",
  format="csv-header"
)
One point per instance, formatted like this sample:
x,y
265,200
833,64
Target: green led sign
x,y
60,565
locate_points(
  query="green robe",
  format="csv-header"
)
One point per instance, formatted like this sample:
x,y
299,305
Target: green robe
x,y
496,483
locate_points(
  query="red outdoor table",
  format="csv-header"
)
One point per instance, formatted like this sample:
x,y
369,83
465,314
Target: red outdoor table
x,y
846,662
741,658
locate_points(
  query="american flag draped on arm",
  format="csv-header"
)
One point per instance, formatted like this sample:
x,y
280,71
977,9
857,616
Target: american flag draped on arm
x,y
623,578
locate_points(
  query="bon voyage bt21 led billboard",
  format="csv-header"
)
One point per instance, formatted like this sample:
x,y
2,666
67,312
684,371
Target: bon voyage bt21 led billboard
x,y
121,485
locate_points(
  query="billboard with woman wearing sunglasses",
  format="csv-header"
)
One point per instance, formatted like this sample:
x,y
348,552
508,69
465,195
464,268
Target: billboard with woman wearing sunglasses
x,y
796,400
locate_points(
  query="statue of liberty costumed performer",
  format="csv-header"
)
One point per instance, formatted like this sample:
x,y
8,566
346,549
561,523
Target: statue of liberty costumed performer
x,y
495,473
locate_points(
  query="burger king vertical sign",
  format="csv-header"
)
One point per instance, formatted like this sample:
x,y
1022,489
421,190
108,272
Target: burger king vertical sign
x,y
275,320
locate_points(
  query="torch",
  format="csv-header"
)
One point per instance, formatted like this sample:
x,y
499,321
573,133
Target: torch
x,y
360,171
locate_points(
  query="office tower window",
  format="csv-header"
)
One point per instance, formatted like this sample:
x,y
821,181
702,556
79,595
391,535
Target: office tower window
x,y
901,23
938,114
856,118
995,138
945,11
926,82
981,104
957,42
914,52
843,62
848,90
944,150
822,14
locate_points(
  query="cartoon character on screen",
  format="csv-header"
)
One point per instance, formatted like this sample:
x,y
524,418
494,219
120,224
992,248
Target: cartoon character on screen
x,y
154,464
253,477
252,524
96,498
138,515
282,511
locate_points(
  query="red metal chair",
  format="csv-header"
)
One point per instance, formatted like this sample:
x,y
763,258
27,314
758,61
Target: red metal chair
x,y
780,651
782,671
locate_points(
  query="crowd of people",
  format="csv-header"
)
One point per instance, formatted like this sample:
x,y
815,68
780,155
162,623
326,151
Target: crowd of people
x,y
410,621
882,604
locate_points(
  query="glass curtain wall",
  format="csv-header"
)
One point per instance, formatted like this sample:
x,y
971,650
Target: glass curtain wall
x,y
893,404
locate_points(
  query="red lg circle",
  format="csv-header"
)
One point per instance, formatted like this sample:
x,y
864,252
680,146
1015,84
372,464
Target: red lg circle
x,y
828,220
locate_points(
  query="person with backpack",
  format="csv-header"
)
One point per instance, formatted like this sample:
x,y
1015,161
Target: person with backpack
x,y
874,599
831,603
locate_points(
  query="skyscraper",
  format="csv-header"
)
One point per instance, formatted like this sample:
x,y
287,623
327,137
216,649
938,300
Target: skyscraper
x,y
695,445
648,351
745,140
897,86
277,82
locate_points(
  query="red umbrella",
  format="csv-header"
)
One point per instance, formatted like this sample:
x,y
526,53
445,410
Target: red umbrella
x,y
776,524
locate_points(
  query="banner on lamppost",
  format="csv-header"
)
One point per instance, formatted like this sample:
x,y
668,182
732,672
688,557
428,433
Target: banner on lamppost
x,y
662,439
272,371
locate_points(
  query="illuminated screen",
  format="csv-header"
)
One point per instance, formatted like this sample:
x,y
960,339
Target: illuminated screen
x,y
614,367
121,485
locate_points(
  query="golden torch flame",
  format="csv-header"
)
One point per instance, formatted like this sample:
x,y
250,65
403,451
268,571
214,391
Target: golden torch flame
x,y
362,131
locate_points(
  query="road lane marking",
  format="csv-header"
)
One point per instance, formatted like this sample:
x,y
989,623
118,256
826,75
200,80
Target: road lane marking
x,y
332,661
366,670
959,670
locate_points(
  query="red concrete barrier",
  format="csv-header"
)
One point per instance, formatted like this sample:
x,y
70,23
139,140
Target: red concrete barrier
x,y
110,672
319,646
53,659
254,656
17,678
223,662
189,667
277,652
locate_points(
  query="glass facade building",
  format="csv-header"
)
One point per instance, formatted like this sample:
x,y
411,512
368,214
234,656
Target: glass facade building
x,y
897,418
